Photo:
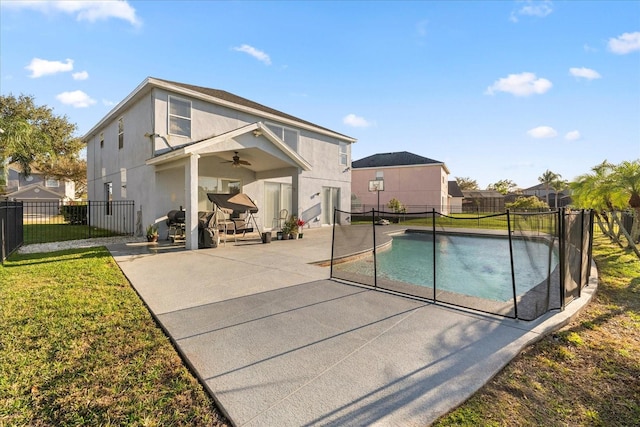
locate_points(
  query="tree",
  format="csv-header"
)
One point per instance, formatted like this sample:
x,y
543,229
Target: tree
x,y
547,178
558,186
466,183
626,179
35,136
503,186
527,203
603,191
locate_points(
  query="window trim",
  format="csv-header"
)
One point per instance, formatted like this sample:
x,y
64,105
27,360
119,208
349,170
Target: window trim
x,y
170,115
49,183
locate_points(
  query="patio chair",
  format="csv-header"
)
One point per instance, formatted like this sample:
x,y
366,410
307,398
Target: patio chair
x,y
280,220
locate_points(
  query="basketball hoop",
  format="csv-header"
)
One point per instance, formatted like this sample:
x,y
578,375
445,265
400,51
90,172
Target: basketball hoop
x,y
376,185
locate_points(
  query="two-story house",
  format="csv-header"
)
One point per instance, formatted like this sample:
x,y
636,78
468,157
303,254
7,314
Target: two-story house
x,y
36,187
419,183
168,144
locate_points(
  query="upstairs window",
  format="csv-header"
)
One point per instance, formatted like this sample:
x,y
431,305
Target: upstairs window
x,y
289,136
343,154
52,183
101,139
179,117
120,133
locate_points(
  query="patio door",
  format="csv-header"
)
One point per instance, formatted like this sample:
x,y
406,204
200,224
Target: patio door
x,y
277,196
330,201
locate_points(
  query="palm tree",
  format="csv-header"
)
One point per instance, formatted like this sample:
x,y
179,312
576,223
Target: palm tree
x,y
626,178
596,191
558,186
547,178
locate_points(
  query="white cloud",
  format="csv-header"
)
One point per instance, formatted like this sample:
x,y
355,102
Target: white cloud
x,y
81,75
626,43
588,48
523,84
83,10
356,121
532,8
421,28
77,99
542,132
108,103
42,67
574,135
585,73
258,54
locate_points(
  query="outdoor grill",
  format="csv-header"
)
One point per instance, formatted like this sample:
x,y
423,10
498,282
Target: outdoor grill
x,y
176,223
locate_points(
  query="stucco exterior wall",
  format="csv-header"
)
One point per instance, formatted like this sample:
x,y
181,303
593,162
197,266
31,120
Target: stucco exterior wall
x,y
419,186
158,189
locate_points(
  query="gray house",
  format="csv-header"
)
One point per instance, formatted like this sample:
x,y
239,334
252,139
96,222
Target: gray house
x,y
168,144
36,187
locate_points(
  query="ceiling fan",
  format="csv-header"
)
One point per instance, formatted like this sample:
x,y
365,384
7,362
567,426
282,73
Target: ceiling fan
x,y
236,162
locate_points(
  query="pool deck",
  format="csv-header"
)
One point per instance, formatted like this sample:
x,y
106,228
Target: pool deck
x,y
275,342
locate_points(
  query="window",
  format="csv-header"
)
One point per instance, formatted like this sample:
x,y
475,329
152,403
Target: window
x,y
101,139
179,117
120,133
289,136
54,183
108,197
379,175
343,154
207,184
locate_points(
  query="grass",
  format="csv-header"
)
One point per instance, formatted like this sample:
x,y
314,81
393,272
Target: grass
x,y
78,347
56,232
586,374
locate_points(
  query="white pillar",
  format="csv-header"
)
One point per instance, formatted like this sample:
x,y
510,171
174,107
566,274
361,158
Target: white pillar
x,y
191,197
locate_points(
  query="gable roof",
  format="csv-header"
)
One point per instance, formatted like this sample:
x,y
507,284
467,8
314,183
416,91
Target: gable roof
x,y
215,96
400,158
454,189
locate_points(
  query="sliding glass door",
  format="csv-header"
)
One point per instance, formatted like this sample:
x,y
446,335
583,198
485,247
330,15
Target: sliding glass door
x,y
330,201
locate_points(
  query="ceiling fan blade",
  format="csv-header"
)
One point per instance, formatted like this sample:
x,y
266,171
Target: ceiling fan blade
x,y
244,162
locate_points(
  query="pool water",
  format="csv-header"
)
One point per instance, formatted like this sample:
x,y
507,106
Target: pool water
x,y
472,265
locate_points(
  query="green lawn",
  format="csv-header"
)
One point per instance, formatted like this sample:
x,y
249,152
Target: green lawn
x,y
78,347
56,232
586,374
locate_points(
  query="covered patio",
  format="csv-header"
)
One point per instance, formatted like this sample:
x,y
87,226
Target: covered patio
x,y
237,161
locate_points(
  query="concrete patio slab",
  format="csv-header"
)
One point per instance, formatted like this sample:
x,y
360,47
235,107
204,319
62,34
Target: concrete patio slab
x,y
278,343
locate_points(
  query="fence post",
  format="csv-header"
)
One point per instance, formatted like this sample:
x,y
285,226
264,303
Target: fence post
x,y
433,232
561,256
375,261
89,216
333,243
513,273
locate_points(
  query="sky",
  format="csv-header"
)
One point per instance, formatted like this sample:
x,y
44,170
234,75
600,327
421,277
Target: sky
x,y
494,89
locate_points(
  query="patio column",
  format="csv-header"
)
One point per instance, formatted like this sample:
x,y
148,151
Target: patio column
x,y
191,197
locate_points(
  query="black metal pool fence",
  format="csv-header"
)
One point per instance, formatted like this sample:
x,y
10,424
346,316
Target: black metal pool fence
x,y
562,266
11,234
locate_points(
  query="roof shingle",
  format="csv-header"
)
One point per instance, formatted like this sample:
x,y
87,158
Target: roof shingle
x,y
400,158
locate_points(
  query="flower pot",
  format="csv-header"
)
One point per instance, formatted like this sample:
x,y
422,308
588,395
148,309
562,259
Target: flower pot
x,y
285,236
300,235
152,238
279,235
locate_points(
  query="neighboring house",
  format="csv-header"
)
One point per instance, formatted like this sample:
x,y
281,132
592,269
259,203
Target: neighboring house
x,y
540,191
37,187
168,144
419,183
483,201
456,196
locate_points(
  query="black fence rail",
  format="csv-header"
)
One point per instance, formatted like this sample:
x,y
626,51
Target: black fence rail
x,y
11,231
514,264
53,221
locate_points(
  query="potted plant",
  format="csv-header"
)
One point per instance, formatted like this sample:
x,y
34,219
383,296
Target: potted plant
x,y
152,233
290,228
300,225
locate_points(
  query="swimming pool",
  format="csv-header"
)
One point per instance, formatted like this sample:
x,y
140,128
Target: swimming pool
x,y
474,265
